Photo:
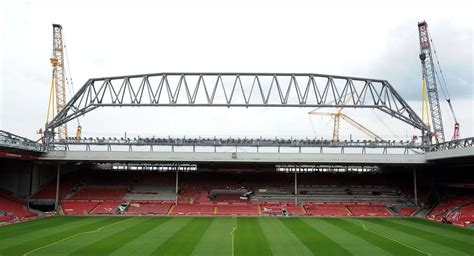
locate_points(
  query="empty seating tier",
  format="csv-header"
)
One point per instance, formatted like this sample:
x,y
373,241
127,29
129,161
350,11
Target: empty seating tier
x,y
148,208
105,208
237,209
99,193
13,207
193,209
78,208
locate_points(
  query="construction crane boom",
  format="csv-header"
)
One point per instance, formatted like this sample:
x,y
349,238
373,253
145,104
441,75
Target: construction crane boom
x,y
336,129
429,78
360,127
57,62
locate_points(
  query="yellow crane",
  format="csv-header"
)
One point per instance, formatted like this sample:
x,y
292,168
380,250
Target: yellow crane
x,y
336,116
57,95
337,124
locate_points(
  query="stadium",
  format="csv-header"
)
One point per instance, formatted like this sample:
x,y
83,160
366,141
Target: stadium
x,y
80,193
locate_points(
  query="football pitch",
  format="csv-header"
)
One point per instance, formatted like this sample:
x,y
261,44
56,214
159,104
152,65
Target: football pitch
x,y
233,236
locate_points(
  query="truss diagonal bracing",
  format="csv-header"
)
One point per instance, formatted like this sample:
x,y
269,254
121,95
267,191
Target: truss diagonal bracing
x,y
237,90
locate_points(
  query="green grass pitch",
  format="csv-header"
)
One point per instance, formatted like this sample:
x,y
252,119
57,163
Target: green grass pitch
x,y
233,236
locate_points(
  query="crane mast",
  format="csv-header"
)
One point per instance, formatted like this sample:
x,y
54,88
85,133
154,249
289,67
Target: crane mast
x,y
57,61
429,79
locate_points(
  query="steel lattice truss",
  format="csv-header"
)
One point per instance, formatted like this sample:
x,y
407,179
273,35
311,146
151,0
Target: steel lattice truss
x,y
10,140
453,144
237,90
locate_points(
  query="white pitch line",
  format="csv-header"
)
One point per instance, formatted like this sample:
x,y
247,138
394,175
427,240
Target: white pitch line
x,y
232,233
409,246
75,235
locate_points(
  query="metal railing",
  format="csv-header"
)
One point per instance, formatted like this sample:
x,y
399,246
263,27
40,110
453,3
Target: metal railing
x,y
88,144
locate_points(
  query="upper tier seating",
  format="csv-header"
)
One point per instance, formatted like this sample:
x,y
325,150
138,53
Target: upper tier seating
x,y
48,191
99,193
149,192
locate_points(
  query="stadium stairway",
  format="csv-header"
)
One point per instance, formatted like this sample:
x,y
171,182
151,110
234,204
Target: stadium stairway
x,y
170,211
349,211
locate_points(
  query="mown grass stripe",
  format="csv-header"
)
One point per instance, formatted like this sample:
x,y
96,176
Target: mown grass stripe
x,y
459,233
448,234
349,239
37,233
61,246
437,238
217,239
249,238
84,239
424,245
184,241
112,242
28,226
364,241
146,243
23,248
315,240
281,240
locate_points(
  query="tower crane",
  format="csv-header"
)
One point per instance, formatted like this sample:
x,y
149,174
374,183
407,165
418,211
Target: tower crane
x,y
57,95
430,97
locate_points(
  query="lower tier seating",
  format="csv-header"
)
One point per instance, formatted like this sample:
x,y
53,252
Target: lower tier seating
x,y
148,208
193,209
237,209
327,210
369,210
458,211
105,208
5,218
407,211
78,208
467,214
13,208
273,208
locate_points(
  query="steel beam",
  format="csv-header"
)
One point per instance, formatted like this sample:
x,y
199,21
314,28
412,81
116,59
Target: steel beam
x,y
228,157
236,90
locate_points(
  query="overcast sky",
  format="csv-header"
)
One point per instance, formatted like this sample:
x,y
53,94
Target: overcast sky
x,y
105,38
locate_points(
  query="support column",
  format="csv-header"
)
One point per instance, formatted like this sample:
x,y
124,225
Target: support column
x,y
296,188
56,202
414,186
177,177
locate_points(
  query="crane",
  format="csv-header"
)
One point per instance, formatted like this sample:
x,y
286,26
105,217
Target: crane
x,y
336,128
430,97
337,121
57,95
